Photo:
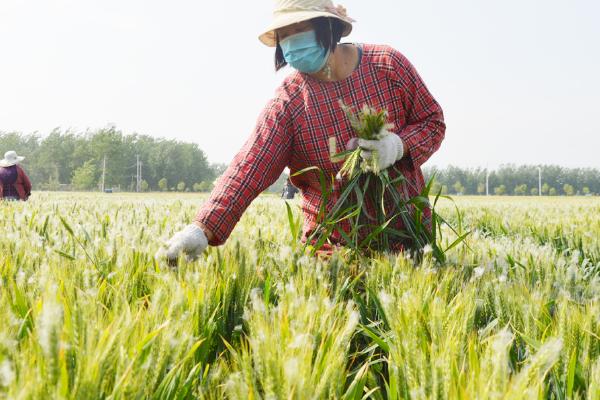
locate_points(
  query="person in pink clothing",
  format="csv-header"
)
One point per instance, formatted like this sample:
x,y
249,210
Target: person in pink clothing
x,y
304,124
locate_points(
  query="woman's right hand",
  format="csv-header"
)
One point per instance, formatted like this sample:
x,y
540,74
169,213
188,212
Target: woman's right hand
x,y
191,241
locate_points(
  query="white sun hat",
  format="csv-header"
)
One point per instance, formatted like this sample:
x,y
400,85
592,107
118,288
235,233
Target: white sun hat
x,y
10,158
289,12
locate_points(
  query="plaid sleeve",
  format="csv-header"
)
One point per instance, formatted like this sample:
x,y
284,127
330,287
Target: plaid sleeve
x,y
256,166
425,128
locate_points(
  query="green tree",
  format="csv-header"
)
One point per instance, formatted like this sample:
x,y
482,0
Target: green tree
x,y
162,184
569,189
436,187
545,188
56,154
481,188
521,190
586,190
145,186
534,192
218,169
276,187
53,184
500,190
458,187
109,143
205,186
197,187
552,191
181,186
84,177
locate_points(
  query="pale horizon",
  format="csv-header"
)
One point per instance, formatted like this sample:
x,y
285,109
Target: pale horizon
x,y
518,82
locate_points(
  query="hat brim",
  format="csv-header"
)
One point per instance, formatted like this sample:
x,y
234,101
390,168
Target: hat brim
x,y
269,38
7,163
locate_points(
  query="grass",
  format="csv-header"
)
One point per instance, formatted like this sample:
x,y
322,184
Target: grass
x,y
88,313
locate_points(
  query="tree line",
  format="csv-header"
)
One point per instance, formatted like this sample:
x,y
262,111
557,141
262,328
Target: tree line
x,y
75,160
66,159
516,180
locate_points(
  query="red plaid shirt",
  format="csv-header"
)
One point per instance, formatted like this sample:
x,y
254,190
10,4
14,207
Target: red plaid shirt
x,y
295,128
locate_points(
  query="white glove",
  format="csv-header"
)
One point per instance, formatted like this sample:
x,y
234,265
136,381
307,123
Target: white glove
x,y
389,149
191,240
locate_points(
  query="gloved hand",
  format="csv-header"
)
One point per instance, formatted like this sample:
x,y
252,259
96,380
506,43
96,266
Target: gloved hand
x,y
389,149
191,241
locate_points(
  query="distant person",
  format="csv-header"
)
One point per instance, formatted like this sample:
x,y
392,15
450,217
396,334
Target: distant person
x,y
298,127
14,182
289,190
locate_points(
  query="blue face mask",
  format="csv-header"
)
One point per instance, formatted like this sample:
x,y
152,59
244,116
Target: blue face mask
x,y
303,52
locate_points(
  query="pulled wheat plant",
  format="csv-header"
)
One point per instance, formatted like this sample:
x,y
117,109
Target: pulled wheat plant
x,y
372,201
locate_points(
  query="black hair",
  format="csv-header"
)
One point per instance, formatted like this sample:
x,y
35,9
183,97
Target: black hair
x,y
329,33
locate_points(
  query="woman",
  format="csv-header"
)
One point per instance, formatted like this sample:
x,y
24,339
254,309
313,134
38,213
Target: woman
x,y
303,125
14,182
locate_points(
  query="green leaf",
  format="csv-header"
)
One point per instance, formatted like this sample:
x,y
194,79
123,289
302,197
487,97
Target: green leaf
x,y
357,386
292,222
457,241
64,255
376,338
571,373
67,226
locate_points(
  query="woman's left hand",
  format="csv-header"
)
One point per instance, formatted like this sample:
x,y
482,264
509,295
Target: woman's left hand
x,y
389,149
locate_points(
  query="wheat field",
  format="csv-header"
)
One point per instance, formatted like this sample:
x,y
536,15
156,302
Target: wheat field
x,y
87,312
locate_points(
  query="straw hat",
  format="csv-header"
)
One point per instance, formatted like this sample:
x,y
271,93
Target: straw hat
x,y
10,158
289,12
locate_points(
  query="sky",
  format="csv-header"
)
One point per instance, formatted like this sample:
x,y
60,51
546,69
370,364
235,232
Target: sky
x,y
519,81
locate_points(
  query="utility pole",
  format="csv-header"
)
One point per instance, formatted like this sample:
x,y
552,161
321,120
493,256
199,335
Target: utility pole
x,y
539,181
487,182
137,173
138,164
103,173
